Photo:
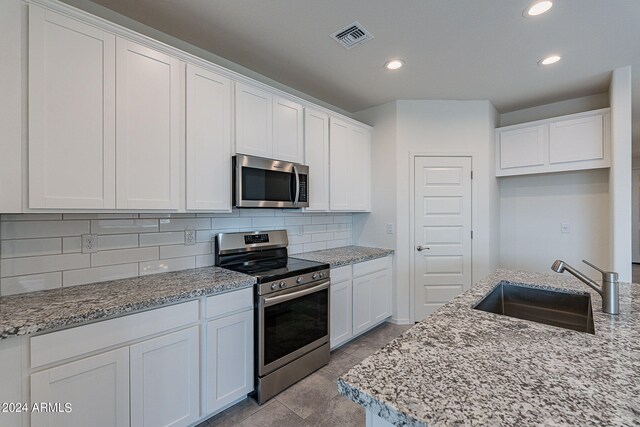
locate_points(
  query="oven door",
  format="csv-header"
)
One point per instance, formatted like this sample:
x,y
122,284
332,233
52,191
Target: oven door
x,y
290,324
266,183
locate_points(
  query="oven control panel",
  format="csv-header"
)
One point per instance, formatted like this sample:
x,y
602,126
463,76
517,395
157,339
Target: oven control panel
x,y
291,282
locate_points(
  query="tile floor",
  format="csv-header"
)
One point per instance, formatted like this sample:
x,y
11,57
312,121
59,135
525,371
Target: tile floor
x,y
314,401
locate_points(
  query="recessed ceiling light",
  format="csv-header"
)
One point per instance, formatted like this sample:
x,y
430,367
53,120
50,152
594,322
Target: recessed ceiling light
x,y
538,8
550,60
394,64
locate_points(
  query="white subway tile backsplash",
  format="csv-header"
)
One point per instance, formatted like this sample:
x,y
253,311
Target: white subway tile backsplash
x,y
124,256
166,238
166,265
297,220
316,246
30,283
322,219
117,241
232,222
43,251
35,229
42,264
205,260
71,245
30,247
321,228
182,224
321,237
99,274
30,217
177,251
263,221
123,226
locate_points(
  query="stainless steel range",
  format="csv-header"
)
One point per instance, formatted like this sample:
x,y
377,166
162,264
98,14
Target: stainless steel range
x,y
291,307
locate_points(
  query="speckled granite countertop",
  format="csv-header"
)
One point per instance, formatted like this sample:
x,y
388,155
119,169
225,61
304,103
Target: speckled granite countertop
x,y
346,255
47,310
462,366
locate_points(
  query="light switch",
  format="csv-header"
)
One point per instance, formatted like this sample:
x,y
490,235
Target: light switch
x,y
565,227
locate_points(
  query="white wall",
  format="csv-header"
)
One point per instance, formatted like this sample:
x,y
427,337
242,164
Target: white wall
x,y
532,207
635,220
43,251
547,111
620,173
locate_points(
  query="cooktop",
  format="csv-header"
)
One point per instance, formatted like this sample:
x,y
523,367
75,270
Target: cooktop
x,y
268,270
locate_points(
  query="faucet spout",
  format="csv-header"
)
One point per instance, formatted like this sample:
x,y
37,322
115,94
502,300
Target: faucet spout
x,y
609,291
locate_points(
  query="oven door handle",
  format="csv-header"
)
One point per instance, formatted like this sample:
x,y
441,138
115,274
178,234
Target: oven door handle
x,y
267,302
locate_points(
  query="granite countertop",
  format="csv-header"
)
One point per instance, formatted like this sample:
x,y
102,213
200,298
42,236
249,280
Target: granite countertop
x,y
337,257
53,309
462,366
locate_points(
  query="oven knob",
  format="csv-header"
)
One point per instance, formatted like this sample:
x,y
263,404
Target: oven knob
x,y
316,276
299,279
282,285
274,286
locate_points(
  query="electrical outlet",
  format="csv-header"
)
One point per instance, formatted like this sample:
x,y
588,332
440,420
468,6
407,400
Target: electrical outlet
x,y
565,227
190,237
89,243
389,228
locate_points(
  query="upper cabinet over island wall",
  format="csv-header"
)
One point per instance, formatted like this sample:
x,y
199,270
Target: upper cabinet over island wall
x,y
573,142
118,121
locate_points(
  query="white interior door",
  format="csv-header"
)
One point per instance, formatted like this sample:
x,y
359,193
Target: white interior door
x,y
635,223
442,233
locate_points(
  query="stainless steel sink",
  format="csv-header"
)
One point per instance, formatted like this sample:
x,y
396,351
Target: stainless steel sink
x,y
552,307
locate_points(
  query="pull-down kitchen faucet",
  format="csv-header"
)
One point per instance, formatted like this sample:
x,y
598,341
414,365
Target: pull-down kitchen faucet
x,y
610,287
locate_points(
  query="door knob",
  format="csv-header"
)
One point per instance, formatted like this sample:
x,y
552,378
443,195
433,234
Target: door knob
x,y
420,248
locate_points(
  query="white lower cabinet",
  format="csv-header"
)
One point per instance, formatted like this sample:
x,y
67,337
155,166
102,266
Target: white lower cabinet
x,y
341,308
164,380
229,359
97,388
361,302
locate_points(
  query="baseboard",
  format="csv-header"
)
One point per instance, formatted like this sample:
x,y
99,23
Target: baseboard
x,y
397,321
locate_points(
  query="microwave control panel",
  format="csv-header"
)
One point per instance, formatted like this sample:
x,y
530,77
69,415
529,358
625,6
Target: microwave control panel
x,y
303,189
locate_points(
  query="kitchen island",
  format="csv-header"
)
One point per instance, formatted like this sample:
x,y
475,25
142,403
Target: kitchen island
x,y
462,366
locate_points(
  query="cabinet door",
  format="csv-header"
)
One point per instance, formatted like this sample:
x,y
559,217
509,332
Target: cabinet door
x,y
164,380
71,113
229,359
380,297
316,142
254,121
360,169
362,303
522,147
341,313
288,139
576,140
148,128
97,388
208,140
339,165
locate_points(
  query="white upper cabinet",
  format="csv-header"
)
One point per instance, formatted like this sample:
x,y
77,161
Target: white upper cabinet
x,y
349,167
316,141
147,128
254,121
71,113
208,140
267,125
574,142
288,139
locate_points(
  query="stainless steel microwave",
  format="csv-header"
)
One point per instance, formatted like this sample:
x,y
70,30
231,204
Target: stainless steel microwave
x,y
268,183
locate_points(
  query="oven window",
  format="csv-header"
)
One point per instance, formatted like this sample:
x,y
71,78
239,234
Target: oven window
x,y
293,324
267,185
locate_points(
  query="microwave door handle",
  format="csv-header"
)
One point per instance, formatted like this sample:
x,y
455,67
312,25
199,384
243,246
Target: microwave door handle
x,y
295,170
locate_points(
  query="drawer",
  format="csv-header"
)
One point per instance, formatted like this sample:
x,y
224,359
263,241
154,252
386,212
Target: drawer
x,y
219,305
372,266
72,342
340,274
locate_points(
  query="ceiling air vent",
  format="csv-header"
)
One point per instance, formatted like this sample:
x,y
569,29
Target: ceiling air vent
x,y
352,35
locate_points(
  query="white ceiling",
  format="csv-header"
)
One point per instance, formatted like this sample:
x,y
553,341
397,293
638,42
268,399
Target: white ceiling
x,y
454,49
